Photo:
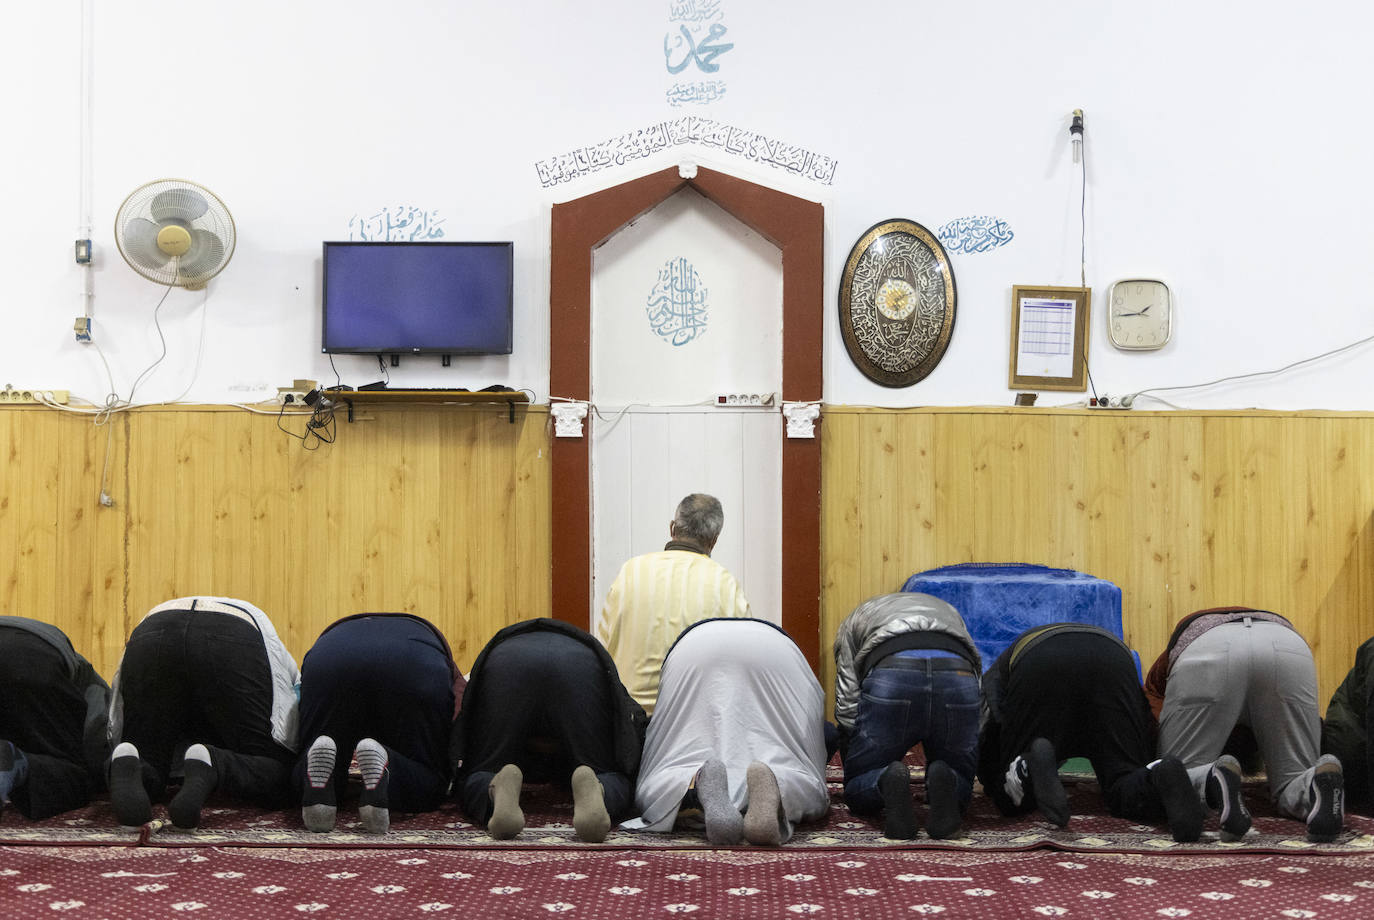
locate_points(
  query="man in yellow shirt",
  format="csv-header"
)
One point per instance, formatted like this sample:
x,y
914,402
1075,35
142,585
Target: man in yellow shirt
x,y
658,595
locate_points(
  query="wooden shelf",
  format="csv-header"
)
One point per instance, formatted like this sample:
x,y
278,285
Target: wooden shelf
x,y
398,396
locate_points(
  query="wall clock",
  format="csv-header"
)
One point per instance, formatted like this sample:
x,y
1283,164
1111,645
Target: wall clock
x,y
1140,314
897,303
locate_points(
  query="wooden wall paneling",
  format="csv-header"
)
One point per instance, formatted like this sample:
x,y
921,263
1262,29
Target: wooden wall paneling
x,y
1181,510
55,567
107,606
436,511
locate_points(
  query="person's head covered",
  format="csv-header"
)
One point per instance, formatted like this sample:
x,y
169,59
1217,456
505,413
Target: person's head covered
x,y
698,520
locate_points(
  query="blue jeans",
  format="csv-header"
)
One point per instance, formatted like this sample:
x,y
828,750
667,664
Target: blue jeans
x,y
899,708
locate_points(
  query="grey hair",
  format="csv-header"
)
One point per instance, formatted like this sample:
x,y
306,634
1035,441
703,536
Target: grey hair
x,y
699,518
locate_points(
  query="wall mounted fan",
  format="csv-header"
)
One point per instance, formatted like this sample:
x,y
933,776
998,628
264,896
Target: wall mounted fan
x,y
175,232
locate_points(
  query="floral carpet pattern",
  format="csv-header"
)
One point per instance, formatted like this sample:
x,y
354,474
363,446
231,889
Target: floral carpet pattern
x,y
249,863
122,882
549,827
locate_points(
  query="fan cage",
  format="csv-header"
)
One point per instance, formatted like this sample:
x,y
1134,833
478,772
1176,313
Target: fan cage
x,y
172,202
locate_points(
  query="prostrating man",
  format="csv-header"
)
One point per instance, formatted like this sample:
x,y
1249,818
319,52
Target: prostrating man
x,y
544,704
738,733
1072,690
53,710
382,686
906,673
658,595
1348,727
1230,666
205,690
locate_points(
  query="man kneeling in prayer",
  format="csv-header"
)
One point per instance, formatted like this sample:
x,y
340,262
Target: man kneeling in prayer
x,y
544,704
738,733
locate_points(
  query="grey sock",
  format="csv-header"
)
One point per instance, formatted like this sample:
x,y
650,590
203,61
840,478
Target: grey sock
x,y
763,819
373,806
724,823
318,806
590,819
506,819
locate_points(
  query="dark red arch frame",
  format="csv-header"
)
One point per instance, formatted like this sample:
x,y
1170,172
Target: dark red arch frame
x,y
797,228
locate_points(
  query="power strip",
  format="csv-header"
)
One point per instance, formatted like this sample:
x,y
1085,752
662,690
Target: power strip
x,y
1111,402
9,395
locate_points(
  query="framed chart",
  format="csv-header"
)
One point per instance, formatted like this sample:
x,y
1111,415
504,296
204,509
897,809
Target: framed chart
x,y
897,303
1049,338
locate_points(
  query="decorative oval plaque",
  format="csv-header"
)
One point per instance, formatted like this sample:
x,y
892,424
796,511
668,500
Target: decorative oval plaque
x,y
897,302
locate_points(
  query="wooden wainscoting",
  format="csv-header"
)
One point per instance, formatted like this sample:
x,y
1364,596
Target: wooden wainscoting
x,y
442,512
1182,510
61,551
445,512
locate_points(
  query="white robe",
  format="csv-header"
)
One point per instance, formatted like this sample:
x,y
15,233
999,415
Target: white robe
x,y
738,691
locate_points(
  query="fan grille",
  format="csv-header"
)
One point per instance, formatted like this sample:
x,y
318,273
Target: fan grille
x,y
165,203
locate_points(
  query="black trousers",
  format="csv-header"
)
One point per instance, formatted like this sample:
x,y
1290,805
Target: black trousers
x,y
1082,692
43,713
388,679
545,705
203,677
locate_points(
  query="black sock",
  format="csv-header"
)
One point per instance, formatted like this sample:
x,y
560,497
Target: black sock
x,y
1050,798
201,780
130,800
1182,807
899,815
942,801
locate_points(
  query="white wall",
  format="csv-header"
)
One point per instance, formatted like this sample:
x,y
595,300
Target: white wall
x,y
1227,149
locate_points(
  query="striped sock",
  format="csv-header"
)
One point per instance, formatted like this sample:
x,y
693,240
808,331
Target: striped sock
x,y
373,808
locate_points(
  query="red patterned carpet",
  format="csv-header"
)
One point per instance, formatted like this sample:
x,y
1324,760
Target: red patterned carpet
x,y
250,863
139,882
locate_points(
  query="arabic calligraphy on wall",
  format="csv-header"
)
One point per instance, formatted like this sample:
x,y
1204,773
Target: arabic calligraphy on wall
x,y
688,129
402,222
676,306
691,47
975,234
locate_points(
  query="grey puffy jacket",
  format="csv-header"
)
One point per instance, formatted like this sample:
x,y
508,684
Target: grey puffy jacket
x,y
874,622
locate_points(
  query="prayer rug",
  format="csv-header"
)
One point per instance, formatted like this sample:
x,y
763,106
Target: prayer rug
x,y
549,828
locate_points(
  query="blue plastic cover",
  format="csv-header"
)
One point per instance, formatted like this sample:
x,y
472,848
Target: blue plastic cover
x,y
999,601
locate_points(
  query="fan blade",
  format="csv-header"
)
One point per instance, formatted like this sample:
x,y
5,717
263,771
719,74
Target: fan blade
x,y
178,204
204,257
140,244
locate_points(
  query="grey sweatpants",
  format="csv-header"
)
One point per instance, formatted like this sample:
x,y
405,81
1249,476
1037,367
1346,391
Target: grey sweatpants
x,y
1255,673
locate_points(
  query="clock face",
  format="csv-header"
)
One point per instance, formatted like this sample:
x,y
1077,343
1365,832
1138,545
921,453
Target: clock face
x,y
1140,314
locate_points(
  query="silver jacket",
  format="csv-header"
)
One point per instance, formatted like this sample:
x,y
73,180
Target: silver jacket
x,y
874,622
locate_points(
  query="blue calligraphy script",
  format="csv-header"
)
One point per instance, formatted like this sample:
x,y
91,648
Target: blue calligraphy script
x,y
694,10
403,222
703,53
975,234
677,304
699,92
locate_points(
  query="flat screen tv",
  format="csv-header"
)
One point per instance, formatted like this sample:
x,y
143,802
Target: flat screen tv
x,y
436,298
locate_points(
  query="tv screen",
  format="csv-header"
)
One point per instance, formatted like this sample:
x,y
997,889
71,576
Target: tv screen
x,y
418,298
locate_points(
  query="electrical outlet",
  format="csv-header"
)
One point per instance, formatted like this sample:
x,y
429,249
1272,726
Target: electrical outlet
x,y
294,395
289,397
744,399
33,397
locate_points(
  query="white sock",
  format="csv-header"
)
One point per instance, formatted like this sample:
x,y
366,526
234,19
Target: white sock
x,y
196,752
1016,774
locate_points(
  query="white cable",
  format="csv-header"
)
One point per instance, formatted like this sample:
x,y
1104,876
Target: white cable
x,y
1234,377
